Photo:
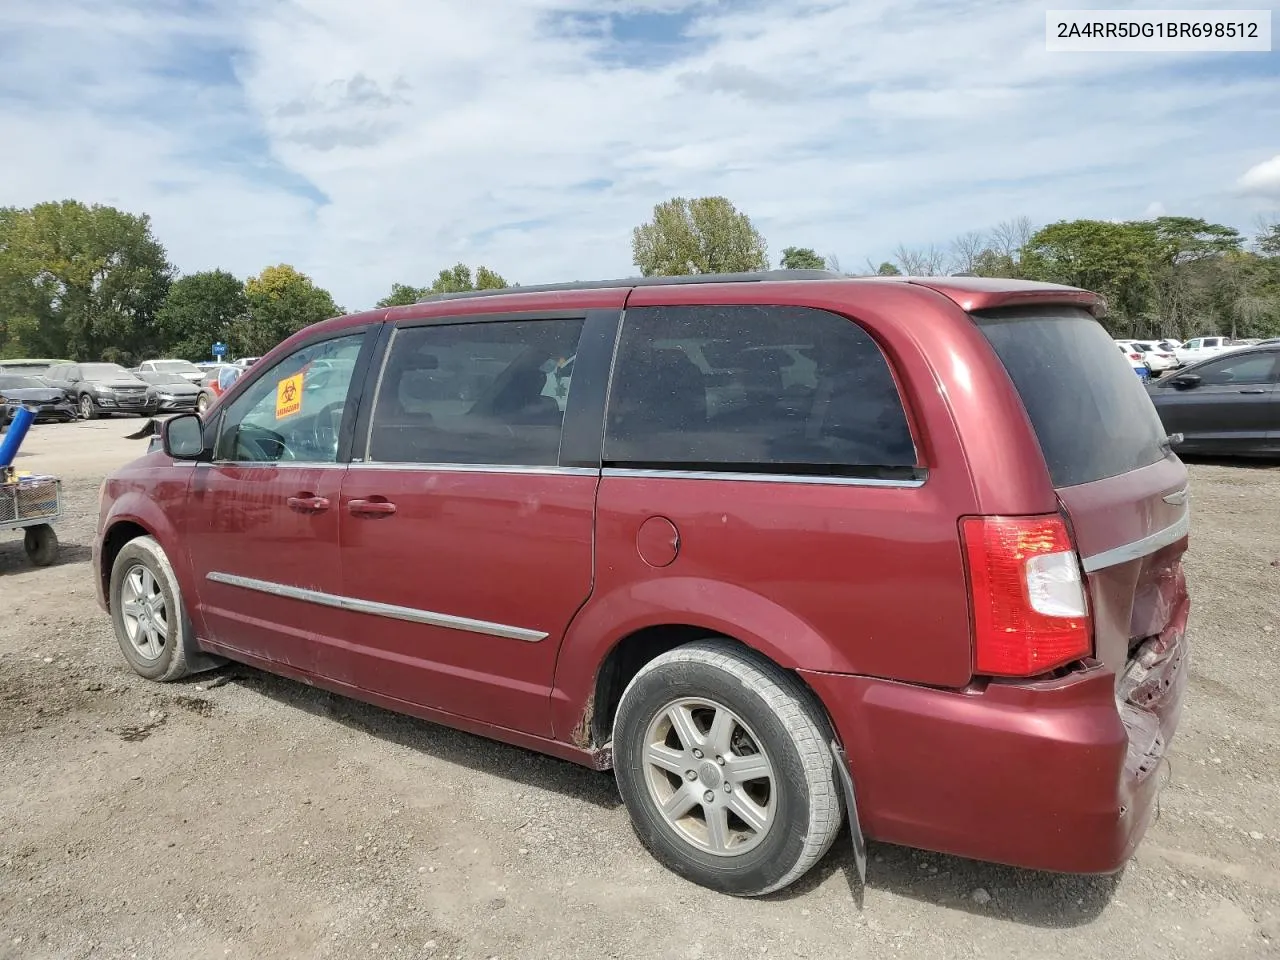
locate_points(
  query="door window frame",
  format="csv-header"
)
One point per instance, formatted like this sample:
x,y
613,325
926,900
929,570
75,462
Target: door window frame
x,y
373,334
582,426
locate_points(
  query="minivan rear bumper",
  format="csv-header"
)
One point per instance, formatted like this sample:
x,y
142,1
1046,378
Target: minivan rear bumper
x,y
1042,775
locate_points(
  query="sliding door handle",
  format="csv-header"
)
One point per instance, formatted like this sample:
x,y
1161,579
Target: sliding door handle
x,y
371,508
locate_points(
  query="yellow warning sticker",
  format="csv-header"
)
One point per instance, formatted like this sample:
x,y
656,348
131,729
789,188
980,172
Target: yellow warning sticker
x,y
289,396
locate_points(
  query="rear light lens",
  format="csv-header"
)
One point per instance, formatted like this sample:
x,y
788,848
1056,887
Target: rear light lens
x,y
1030,614
1135,356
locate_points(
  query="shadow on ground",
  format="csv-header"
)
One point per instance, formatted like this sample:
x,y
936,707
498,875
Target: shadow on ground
x,y
1019,896
13,558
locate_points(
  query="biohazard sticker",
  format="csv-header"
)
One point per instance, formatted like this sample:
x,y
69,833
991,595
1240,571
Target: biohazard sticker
x,y
289,396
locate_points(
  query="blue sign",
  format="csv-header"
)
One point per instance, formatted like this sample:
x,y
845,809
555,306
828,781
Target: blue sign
x,y
219,349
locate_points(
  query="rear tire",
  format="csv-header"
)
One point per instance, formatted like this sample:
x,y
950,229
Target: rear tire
x,y
736,750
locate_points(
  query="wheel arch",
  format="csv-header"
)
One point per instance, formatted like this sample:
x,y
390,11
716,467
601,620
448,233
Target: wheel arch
x,y
134,515
603,651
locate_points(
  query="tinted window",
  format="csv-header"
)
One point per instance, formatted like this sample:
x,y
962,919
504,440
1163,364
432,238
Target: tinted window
x,y
475,393
293,412
1091,414
19,383
1253,368
753,388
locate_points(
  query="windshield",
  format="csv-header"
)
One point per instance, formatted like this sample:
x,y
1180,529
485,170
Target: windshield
x,y
174,366
104,371
19,383
1090,412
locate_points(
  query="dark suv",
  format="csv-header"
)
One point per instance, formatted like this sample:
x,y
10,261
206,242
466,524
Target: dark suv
x,y
102,388
761,544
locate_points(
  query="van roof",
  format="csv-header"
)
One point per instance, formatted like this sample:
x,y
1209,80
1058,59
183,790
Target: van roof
x,y
969,292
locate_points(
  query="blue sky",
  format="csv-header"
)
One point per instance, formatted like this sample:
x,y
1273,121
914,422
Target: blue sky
x,y
375,142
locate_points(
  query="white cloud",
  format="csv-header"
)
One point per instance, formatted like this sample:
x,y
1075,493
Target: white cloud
x,y
378,142
1263,178
1154,209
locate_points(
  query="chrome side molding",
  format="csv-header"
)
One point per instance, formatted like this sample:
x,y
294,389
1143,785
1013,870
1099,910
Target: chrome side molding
x,y
374,608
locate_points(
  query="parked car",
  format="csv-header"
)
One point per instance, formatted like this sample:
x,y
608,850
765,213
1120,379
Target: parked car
x,y
934,570
1201,348
183,368
1157,359
171,392
246,362
28,367
102,388
1136,360
214,382
49,403
1226,405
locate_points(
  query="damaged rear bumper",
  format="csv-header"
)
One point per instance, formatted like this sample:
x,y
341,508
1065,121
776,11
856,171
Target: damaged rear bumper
x,y
1059,775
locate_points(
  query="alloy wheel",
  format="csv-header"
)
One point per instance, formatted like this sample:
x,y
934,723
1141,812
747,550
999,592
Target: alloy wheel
x,y
708,776
144,611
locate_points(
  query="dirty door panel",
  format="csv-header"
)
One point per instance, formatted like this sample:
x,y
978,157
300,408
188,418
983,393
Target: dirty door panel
x,y
466,547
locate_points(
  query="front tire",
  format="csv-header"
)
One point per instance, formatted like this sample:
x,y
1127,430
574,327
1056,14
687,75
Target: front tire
x,y
147,612
88,409
722,759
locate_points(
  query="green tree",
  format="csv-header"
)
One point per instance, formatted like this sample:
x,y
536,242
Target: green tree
x,y
281,302
402,294
702,235
801,258
487,279
990,263
456,279
887,269
1268,238
199,310
80,281
1113,259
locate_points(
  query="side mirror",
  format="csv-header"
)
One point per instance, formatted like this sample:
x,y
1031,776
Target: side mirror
x,y
183,437
1185,381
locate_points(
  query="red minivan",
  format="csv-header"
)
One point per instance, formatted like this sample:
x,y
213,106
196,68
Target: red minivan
x,y
782,550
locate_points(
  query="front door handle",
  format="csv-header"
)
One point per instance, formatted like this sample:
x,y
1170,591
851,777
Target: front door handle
x,y
371,508
308,503
1253,391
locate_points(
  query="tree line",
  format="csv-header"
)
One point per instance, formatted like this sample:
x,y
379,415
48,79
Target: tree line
x,y
1164,276
90,282
83,282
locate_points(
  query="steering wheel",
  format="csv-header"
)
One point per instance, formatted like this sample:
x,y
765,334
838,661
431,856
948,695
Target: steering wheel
x,y
325,425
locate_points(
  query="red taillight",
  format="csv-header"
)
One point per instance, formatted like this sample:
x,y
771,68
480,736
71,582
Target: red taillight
x,y
1029,608
1135,356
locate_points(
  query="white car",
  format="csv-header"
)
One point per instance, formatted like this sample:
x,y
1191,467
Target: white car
x,y
1202,348
1157,357
1135,360
182,368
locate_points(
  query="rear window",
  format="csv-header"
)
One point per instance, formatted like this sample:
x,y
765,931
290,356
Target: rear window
x,y
1089,409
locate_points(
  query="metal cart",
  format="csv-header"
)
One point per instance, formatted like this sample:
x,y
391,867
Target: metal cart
x,y
32,504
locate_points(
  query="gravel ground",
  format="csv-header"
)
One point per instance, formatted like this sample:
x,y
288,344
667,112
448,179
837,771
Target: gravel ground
x,y
240,815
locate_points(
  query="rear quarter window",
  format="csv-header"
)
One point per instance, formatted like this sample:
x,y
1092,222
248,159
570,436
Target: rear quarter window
x,y
1090,412
758,389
